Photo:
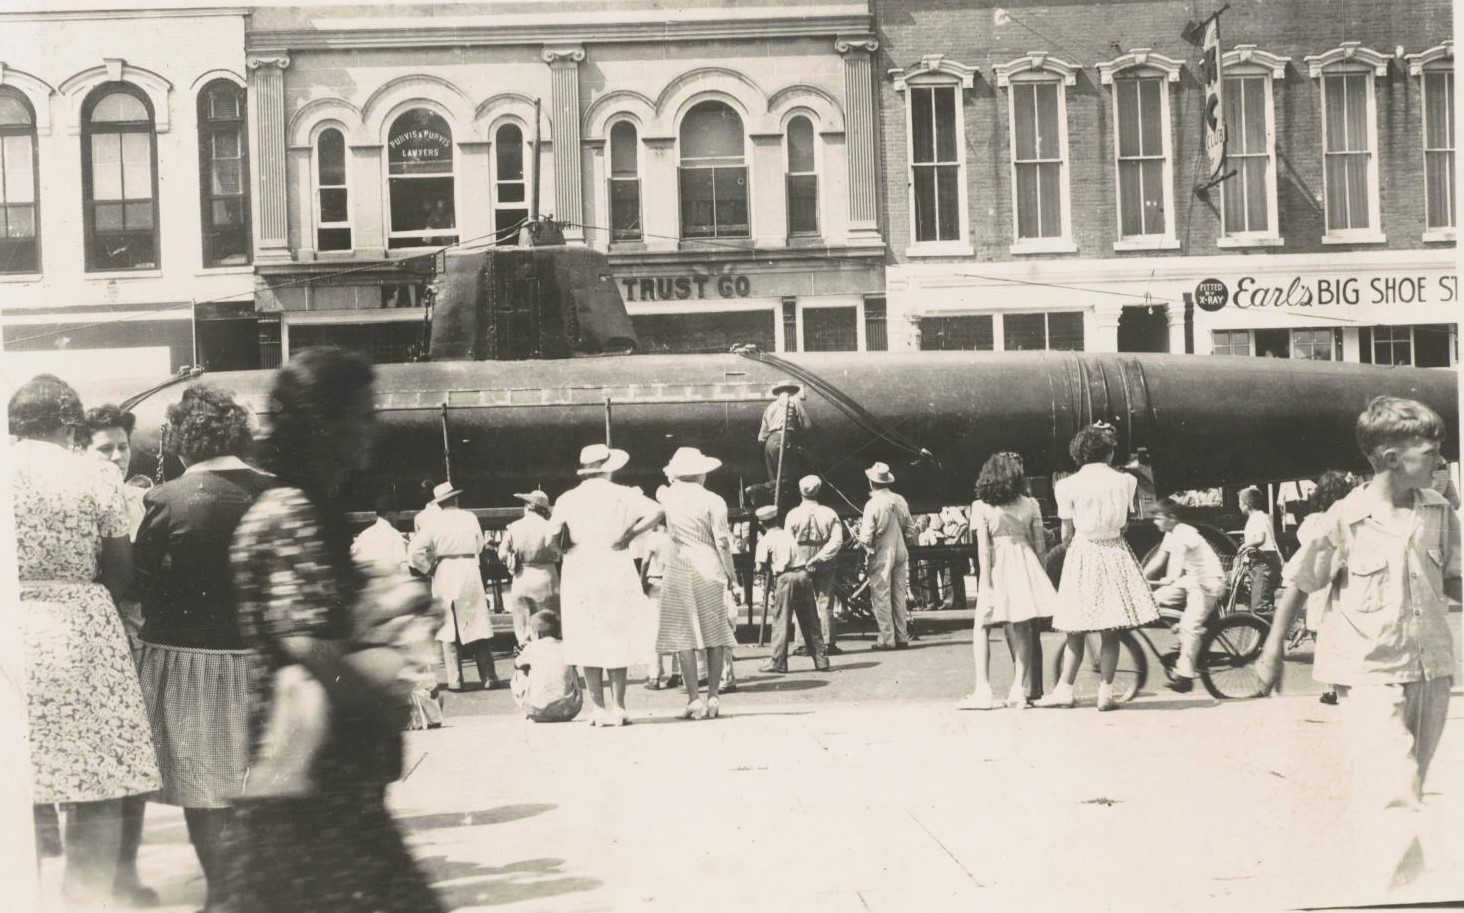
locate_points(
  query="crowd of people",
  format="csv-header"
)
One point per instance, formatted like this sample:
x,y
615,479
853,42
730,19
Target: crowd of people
x,y
222,643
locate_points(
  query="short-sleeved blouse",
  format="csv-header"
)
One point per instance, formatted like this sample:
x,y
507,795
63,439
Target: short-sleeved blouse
x,y
1017,520
65,504
1096,499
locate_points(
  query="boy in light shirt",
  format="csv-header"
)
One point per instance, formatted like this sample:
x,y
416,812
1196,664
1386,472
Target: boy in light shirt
x,y
1193,580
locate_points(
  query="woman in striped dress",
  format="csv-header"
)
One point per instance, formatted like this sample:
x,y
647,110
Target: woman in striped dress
x,y
693,614
1103,590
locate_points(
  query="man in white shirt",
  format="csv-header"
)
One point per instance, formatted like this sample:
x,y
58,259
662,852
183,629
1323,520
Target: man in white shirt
x,y
381,546
785,414
447,548
1193,580
819,535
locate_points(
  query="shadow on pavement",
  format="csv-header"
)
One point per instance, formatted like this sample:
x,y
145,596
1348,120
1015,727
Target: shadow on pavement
x,y
770,686
500,815
1173,704
480,885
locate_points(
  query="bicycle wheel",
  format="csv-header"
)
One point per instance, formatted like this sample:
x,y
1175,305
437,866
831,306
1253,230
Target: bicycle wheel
x,y
1128,678
1228,654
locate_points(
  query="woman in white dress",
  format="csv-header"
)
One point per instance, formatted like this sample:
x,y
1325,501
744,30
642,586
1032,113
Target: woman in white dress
x,y
1103,590
600,592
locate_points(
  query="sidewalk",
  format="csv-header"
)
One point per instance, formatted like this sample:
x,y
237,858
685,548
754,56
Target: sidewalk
x,y
1167,804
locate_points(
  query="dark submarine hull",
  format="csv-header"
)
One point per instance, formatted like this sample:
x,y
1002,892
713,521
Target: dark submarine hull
x,y
514,426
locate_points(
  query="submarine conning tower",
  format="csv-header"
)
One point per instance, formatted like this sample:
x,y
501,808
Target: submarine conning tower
x,y
538,300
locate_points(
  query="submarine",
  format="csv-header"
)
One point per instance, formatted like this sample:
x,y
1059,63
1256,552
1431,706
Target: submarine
x,y
531,355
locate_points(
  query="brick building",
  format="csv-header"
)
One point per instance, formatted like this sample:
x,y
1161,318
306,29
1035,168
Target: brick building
x,y
1040,159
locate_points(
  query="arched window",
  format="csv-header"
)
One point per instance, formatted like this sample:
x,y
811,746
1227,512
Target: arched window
x,y
625,199
119,159
332,199
18,252
510,190
420,180
802,179
223,161
713,173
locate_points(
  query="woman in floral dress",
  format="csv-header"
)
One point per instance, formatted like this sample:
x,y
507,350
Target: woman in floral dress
x,y
336,849
90,741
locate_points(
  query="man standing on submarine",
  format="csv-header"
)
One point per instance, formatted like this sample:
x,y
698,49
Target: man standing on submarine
x,y
784,417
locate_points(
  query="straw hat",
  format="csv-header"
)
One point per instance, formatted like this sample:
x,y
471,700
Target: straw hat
x,y
536,498
767,512
880,472
787,386
598,458
444,491
689,461
809,485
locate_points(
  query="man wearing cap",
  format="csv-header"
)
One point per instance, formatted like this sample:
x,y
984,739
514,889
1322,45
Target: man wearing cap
x,y
819,535
530,551
886,531
447,548
793,593
785,409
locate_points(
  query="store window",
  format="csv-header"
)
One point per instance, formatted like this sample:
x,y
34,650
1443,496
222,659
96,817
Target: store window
x,y
1058,330
713,173
1230,342
802,179
19,251
1349,141
332,196
1438,146
119,179
961,333
223,161
831,329
1423,346
1316,345
510,189
1141,107
625,185
705,333
420,181
935,162
384,343
876,325
1272,343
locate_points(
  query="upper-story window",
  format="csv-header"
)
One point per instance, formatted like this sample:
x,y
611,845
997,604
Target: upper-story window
x,y
223,162
934,90
18,248
510,189
713,173
802,178
1435,67
332,194
625,185
1141,145
1037,89
1248,199
1349,141
419,155
119,179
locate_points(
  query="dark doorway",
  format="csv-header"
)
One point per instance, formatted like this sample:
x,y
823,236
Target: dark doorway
x,y
1273,343
229,345
1143,329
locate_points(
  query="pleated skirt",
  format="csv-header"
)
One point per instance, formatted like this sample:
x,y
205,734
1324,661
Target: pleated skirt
x,y
198,704
1102,588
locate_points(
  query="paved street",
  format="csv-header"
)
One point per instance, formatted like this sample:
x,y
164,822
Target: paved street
x,y
865,791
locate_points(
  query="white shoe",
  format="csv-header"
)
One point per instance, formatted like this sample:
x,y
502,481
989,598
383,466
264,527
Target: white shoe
x,y
696,710
1105,698
978,700
1017,698
1061,696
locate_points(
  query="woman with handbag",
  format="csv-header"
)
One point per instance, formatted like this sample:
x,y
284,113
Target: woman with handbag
x,y
334,848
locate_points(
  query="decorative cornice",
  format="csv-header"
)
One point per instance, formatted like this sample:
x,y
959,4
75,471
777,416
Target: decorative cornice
x,y
661,32
1248,55
1036,62
934,65
1430,57
562,54
1137,58
270,58
115,69
846,43
1348,52
35,90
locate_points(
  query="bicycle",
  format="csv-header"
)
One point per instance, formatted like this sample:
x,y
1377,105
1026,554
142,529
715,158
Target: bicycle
x,y
1228,649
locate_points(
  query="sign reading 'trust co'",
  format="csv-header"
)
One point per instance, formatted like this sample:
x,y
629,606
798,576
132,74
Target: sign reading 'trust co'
x,y
683,288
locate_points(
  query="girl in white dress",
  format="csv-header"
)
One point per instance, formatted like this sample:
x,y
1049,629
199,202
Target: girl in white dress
x,y
1103,589
1013,587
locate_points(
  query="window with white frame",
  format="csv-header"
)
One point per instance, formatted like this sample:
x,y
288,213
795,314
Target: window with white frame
x,y
119,179
713,171
1314,345
1230,342
1142,145
18,248
420,181
625,185
802,178
1037,93
332,194
1438,145
1248,198
510,189
1055,330
1392,345
935,168
958,333
1349,140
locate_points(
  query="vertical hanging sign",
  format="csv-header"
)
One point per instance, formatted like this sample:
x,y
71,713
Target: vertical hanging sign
x,y
1214,98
